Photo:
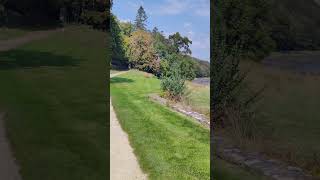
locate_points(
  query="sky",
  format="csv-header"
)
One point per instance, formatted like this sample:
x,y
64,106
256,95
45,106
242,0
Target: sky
x,y
190,18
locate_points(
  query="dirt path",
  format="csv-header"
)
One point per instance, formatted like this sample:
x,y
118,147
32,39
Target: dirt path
x,y
6,45
123,163
8,167
117,74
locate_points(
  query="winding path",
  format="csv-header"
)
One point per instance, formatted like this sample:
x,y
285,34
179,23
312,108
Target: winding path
x,y
9,44
123,163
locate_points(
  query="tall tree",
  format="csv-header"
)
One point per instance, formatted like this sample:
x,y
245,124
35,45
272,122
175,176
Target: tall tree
x,y
180,44
141,19
141,52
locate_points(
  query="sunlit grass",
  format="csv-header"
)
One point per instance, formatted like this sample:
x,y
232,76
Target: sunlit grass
x,y
168,145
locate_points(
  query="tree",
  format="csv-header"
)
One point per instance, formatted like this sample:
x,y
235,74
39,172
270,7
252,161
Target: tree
x,y
231,100
161,44
187,67
141,19
247,21
180,44
141,52
2,13
117,46
127,28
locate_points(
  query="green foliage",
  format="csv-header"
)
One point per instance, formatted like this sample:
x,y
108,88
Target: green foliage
x,y
127,28
245,21
52,12
263,26
97,20
202,68
141,19
187,68
161,44
180,44
173,83
228,106
295,24
118,50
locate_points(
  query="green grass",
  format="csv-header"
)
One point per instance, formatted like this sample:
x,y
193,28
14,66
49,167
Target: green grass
x,y
288,115
198,98
167,145
8,33
54,92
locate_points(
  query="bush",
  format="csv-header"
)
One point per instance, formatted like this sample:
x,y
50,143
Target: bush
x,y
173,83
98,20
187,67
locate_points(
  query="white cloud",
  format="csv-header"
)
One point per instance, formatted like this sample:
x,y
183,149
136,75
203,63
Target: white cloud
x,y
187,25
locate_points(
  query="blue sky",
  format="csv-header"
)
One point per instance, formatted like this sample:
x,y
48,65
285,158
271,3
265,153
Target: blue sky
x,y
189,17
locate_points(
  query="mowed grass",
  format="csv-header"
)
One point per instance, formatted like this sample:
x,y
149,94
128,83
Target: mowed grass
x,y
288,119
54,91
167,145
9,33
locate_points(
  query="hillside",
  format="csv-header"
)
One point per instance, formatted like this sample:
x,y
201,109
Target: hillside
x,y
203,68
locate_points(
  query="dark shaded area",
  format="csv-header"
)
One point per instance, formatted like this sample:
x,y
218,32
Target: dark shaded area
x,y
119,64
295,24
301,62
54,13
16,59
31,13
120,80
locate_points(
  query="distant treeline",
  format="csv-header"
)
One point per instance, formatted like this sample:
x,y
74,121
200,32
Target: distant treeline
x,y
262,26
54,12
135,46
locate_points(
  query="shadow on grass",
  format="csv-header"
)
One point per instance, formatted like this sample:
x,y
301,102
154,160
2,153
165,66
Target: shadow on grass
x,y
16,59
120,80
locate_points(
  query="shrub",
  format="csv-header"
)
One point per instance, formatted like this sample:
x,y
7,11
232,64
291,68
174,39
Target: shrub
x,y
173,83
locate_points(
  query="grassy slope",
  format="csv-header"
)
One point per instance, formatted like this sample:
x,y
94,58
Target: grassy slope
x,y
288,119
53,91
11,33
167,145
198,98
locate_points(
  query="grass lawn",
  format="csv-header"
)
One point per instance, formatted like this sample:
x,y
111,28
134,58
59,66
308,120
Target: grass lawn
x,y
6,33
288,117
167,145
54,92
